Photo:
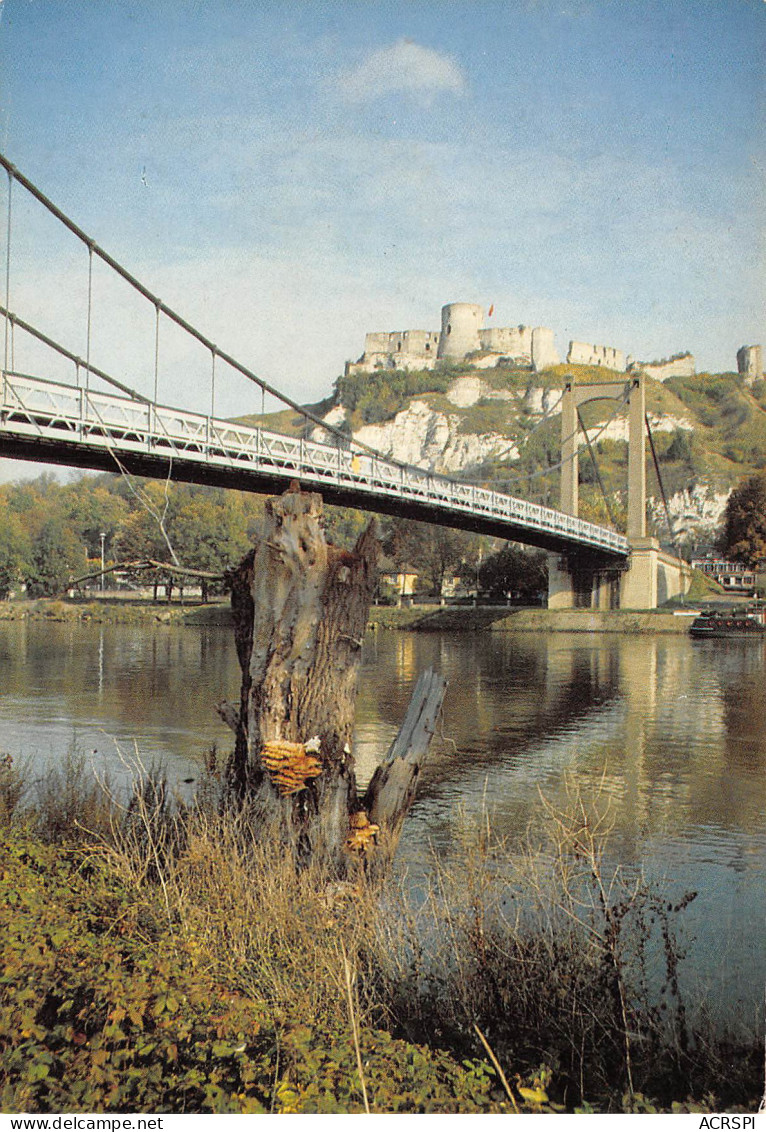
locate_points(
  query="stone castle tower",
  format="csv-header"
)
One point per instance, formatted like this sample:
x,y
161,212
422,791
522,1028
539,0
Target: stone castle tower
x,y
750,363
462,336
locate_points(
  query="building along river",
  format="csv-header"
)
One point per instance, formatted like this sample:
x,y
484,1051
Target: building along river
x,y
672,730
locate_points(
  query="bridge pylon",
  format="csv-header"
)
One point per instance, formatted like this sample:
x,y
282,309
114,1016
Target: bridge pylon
x,y
651,576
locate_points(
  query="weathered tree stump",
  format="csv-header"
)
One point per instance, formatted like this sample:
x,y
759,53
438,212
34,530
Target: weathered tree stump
x,y
300,611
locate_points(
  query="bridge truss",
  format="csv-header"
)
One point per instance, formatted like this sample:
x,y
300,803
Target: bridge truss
x,y
52,422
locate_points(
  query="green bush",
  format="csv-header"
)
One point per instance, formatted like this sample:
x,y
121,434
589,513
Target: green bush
x,y
380,395
175,964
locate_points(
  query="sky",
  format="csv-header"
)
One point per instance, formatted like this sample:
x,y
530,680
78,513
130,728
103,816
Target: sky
x,y
289,176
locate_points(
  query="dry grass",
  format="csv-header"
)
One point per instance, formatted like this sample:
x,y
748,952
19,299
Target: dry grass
x,y
567,969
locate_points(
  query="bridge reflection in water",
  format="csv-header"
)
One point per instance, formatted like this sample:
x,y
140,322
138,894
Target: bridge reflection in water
x,y
673,733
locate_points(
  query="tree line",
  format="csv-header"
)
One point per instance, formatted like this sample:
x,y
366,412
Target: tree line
x,y
52,533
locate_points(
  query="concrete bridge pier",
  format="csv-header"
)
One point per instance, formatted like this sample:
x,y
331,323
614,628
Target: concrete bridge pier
x,y
650,578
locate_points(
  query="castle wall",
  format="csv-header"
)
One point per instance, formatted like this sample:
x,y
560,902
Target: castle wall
x,y
512,341
585,354
750,363
418,343
544,351
680,365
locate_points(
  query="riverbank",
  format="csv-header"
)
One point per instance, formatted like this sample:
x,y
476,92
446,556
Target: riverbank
x,y
116,611
455,620
179,966
419,618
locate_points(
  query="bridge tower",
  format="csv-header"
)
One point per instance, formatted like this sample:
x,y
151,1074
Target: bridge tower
x,y
651,576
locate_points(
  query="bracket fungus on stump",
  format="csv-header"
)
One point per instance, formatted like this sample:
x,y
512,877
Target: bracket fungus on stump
x,y
300,610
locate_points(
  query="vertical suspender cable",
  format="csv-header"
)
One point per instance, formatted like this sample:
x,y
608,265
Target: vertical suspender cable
x,y
212,385
7,273
90,312
156,349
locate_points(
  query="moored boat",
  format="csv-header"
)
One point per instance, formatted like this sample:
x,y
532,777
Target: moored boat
x,y
746,622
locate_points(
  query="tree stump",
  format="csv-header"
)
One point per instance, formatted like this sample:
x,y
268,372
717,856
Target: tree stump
x,y
300,610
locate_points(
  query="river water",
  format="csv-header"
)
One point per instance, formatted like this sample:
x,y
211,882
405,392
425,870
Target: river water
x,y
672,730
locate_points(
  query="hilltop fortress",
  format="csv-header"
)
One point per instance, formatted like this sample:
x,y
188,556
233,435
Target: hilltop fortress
x,y
463,338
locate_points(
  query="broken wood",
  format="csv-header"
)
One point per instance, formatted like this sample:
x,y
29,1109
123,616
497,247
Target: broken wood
x,y
392,788
300,611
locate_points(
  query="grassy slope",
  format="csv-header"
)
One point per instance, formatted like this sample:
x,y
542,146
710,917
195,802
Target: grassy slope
x,y
727,440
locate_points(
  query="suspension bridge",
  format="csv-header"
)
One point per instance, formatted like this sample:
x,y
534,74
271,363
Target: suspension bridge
x,y
79,425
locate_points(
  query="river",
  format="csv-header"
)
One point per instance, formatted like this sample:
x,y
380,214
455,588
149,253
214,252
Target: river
x,y
672,730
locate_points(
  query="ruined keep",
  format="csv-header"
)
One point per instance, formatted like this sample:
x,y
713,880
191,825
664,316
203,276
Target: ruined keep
x,y
750,363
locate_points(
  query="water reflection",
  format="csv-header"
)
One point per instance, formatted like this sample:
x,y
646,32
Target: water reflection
x,y
672,730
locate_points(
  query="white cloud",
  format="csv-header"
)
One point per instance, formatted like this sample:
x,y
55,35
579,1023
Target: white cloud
x,y
402,68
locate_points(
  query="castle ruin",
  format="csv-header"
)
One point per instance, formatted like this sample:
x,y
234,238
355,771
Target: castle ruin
x,y
750,363
679,365
584,354
462,338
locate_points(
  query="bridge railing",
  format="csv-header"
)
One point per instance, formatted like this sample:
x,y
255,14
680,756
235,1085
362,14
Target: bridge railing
x,y
51,411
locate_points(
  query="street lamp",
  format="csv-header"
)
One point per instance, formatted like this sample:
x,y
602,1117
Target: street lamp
x,y
102,536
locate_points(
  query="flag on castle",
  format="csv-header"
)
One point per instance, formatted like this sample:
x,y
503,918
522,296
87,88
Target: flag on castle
x,y
491,311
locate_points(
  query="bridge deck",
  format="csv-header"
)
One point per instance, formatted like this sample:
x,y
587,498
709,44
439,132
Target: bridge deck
x,y
55,423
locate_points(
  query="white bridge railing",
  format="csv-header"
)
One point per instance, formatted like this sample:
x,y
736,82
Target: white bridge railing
x,y
52,412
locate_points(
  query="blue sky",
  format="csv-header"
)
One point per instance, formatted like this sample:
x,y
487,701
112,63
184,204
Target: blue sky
x,y
290,175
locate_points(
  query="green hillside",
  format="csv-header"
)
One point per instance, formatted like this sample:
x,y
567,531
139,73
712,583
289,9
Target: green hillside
x,y
726,440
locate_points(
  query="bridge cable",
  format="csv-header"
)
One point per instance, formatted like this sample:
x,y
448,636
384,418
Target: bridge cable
x,y
528,435
8,266
109,260
156,351
656,462
596,468
90,309
78,361
555,467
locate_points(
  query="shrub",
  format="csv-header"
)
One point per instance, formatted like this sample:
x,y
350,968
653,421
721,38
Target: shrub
x,y
173,964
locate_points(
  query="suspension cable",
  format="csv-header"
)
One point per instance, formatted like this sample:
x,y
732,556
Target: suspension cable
x,y
555,467
78,361
109,260
656,462
156,350
596,468
90,310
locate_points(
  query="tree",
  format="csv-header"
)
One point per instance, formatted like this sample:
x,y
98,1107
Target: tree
x,y
92,510
523,574
435,551
58,557
743,536
14,552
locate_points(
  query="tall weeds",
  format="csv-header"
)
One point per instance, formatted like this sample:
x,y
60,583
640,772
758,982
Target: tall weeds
x,y
566,968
